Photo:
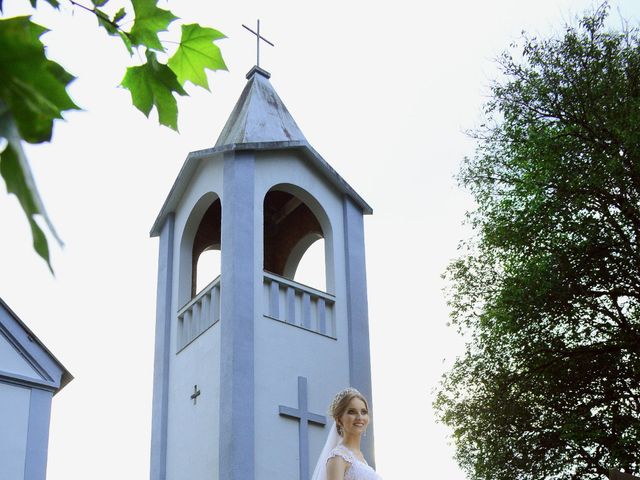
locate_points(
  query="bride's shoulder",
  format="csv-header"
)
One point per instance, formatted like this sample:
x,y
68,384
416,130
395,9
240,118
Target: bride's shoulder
x,y
342,452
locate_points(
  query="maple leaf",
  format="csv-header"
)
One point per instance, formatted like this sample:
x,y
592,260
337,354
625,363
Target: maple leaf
x,y
32,95
196,53
33,87
149,20
53,3
14,169
15,180
153,84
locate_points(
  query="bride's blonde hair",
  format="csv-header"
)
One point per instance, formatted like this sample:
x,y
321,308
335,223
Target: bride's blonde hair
x,y
341,403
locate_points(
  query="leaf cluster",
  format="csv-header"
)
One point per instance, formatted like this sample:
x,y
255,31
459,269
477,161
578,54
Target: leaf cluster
x,y
33,89
549,289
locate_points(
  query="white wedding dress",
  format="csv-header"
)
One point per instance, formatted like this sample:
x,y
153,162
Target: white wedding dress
x,y
357,469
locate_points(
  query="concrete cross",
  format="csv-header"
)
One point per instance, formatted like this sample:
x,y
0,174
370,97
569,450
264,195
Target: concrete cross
x,y
195,394
305,417
258,38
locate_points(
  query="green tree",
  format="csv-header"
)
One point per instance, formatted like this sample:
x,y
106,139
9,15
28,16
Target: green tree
x,y
547,291
33,88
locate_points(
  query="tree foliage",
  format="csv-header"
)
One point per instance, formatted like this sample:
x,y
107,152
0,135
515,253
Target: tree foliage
x,y
548,289
33,88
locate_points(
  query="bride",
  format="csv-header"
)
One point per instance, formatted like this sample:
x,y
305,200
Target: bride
x,y
341,458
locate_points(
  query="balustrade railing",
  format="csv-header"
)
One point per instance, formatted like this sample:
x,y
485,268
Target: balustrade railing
x,y
285,300
296,304
199,314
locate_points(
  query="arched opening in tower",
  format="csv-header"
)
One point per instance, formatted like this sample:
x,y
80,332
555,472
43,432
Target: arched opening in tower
x,y
205,258
293,240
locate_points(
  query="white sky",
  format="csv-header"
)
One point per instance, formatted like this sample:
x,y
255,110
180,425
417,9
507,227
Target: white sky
x,y
383,91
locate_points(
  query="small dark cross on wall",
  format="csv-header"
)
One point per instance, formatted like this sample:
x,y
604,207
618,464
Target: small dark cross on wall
x,y
195,394
258,38
305,417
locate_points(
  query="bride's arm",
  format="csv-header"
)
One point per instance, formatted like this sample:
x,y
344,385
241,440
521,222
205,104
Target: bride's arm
x,y
336,466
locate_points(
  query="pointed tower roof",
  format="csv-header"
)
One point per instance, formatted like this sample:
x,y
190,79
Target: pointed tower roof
x,y
259,115
259,121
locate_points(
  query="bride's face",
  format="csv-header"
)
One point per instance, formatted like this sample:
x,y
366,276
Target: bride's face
x,y
355,418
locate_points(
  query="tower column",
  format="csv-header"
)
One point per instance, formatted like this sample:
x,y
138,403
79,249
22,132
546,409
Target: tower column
x,y
161,361
238,291
357,310
38,434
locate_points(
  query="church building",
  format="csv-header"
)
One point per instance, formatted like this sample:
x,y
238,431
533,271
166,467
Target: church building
x,y
29,378
246,368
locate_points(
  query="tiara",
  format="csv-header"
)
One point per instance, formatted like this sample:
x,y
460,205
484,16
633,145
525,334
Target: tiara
x,y
340,396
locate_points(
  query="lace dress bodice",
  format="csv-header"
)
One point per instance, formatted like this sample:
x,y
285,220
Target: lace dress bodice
x,y
357,469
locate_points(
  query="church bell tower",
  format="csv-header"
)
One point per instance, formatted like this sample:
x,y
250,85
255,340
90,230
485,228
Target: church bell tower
x,y
246,367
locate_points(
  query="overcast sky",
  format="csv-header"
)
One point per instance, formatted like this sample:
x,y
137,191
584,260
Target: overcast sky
x,y
383,91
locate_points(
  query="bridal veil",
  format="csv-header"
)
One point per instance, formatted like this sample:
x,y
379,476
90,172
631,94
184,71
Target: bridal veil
x,y
320,472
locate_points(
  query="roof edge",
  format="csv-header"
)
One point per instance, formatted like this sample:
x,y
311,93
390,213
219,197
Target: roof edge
x,y
194,157
66,375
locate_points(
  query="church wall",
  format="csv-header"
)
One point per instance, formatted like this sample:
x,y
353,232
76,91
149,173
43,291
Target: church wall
x,y
29,376
199,362
190,423
284,352
14,419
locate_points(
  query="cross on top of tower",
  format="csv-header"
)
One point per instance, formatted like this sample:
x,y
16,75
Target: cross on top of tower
x,y
258,38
